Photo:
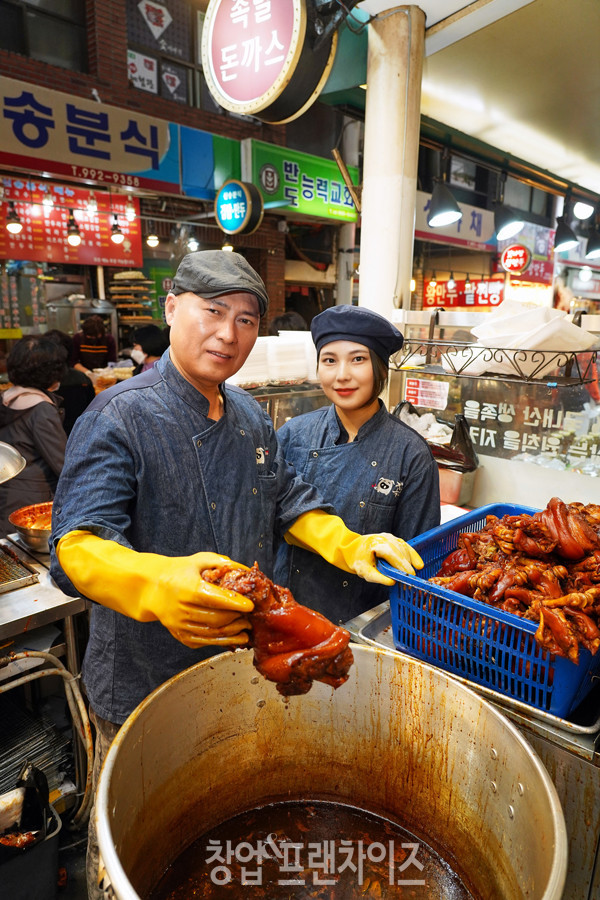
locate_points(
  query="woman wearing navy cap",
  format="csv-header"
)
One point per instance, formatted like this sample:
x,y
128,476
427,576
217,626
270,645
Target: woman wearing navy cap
x,y
378,474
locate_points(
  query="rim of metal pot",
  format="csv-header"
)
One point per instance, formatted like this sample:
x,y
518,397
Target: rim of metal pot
x,y
112,863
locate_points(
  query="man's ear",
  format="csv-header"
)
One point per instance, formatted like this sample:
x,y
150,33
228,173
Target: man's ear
x,y
170,304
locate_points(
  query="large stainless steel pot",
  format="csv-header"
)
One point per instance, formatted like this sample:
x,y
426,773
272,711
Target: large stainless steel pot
x,y
400,737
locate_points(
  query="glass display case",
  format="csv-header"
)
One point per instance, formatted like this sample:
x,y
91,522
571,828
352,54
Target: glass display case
x,y
284,401
540,415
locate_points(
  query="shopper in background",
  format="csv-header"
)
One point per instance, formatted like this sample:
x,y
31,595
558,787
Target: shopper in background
x,y
30,421
75,389
149,344
93,346
287,321
377,473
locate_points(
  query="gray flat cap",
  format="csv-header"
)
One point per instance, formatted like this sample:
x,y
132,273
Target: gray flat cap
x,y
212,273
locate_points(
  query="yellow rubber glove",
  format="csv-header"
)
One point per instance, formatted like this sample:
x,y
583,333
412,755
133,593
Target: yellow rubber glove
x,y
327,535
147,586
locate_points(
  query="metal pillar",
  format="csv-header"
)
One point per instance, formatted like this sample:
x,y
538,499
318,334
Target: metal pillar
x,y
391,152
347,232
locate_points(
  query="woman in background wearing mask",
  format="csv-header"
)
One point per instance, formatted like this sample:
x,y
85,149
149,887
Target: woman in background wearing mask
x,y
149,344
377,473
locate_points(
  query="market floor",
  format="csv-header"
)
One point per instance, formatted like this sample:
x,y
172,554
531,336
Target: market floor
x,y
71,859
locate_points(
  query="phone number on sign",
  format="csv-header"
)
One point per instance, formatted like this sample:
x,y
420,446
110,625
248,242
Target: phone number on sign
x,y
108,177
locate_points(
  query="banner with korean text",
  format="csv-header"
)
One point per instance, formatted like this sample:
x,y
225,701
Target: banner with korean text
x,y
44,234
298,183
63,135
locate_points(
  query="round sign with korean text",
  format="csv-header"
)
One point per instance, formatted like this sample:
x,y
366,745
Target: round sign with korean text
x,y
515,259
258,57
238,207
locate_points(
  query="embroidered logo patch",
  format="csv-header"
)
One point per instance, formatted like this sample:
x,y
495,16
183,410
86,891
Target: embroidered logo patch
x,y
388,486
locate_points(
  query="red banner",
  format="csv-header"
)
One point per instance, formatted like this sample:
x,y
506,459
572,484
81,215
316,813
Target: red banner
x,y
44,234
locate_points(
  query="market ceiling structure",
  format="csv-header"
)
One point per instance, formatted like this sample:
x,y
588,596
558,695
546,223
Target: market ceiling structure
x,y
522,76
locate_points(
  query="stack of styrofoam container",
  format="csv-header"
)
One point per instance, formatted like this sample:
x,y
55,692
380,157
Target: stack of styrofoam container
x,y
255,371
287,358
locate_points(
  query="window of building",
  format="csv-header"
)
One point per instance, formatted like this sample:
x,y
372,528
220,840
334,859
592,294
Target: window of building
x,y
527,198
165,51
52,31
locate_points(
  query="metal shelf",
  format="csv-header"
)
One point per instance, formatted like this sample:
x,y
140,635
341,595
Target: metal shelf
x,y
551,367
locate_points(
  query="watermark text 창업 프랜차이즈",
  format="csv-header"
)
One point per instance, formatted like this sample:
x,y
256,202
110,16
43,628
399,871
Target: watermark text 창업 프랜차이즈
x,y
319,863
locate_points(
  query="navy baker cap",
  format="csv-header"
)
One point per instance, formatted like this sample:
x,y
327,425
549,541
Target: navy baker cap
x,y
355,323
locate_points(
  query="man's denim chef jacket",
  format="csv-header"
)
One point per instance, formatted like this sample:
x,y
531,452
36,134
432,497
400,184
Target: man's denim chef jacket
x,y
386,479
145,467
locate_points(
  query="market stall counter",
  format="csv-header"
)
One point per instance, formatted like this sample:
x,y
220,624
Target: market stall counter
x,y
30,601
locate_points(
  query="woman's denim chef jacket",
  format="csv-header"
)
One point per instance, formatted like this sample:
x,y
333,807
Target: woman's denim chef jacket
x,y
145,467
384,480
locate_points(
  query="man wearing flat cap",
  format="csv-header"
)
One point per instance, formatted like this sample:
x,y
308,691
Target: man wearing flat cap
x,y
174,472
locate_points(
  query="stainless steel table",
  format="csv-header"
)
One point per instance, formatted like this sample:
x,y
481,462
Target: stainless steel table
x,y
43,603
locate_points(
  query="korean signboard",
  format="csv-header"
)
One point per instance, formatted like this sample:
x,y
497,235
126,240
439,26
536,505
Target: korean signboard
x,y
249,50
476,294
298,183
538,241
263,57
43,238
238,207
474,230
63,135
515,259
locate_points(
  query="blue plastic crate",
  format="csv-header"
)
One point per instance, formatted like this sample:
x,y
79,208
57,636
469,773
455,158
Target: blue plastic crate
x,y
474,640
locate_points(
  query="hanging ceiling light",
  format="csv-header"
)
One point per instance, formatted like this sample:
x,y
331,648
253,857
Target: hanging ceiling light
x,y
565,237
507,222
468,284
116,235
152,238
92,204
432,280
413,285
227,246
13,222
443,208
583,210
192,243
451,282
48,199
73,233
130,212
585,274
593,244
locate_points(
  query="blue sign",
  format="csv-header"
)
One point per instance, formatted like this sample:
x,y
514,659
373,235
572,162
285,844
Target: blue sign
x,y
238,207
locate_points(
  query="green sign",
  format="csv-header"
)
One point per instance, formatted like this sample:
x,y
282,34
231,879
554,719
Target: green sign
x,y
298,183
